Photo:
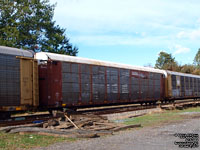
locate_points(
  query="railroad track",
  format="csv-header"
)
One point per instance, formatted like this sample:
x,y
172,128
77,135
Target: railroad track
x,y
120,109
135,107
21,120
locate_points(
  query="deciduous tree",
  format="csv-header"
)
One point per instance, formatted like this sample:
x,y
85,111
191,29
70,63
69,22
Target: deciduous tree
x,y
187,68
197,59
167,62
29,24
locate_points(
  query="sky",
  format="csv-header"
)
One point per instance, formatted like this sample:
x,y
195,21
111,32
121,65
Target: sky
x,y
131,31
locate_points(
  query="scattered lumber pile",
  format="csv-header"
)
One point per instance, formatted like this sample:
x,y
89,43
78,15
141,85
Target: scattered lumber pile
x,y
72,125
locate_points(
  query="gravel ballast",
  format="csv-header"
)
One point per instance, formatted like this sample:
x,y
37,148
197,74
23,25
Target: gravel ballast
x,y
149,138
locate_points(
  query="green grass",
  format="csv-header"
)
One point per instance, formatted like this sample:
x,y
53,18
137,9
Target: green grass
x,y
27,141
194,109
160,118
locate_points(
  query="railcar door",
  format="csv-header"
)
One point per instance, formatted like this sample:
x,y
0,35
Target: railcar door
x,y
29,82
50,84
26,72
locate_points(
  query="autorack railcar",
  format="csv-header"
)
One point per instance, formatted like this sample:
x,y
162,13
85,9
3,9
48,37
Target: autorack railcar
x,y
67,81
18,80
181,86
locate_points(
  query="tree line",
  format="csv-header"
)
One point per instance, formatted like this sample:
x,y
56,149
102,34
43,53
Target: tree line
x,y
167,62
28,24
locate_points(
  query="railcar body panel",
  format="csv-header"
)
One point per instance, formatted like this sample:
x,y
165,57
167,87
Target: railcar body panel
x,y
182,86
18,79
82,83
50,90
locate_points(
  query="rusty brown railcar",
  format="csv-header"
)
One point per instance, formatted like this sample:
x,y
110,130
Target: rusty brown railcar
x,y
67,81
18,80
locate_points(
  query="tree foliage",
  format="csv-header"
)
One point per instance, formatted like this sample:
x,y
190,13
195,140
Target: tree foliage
x,y
166,61
187,68
29,24
197,59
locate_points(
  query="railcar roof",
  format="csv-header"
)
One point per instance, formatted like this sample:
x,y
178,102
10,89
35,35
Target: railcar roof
x,y
66,58
16,51
182,74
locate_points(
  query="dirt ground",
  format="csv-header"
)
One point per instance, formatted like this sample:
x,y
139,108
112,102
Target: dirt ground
x,y
149,138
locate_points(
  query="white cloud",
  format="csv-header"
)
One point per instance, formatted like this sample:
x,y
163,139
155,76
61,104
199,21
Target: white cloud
x,y
129,22
123,16
97,40
179,49
193,34
181,34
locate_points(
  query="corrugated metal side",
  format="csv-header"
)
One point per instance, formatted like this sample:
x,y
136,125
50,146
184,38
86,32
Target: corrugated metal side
x,y
182,74
157,82
78,60
124,85
84,84
144,86
141,82
70,83
198,80
195,87
112,85
163,85
26,81
98,84
35,84
135,85
86,87
55,88
43,84
16,52
50,81
192,86
176,82
182,86
169,79
151,86
9,80
187,86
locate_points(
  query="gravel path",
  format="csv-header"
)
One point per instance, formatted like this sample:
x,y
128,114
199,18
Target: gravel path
x,y
151,138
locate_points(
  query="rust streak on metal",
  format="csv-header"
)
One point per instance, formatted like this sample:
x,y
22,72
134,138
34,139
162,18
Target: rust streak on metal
x,y
118,84
130,86
80,94
91,85
106,88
